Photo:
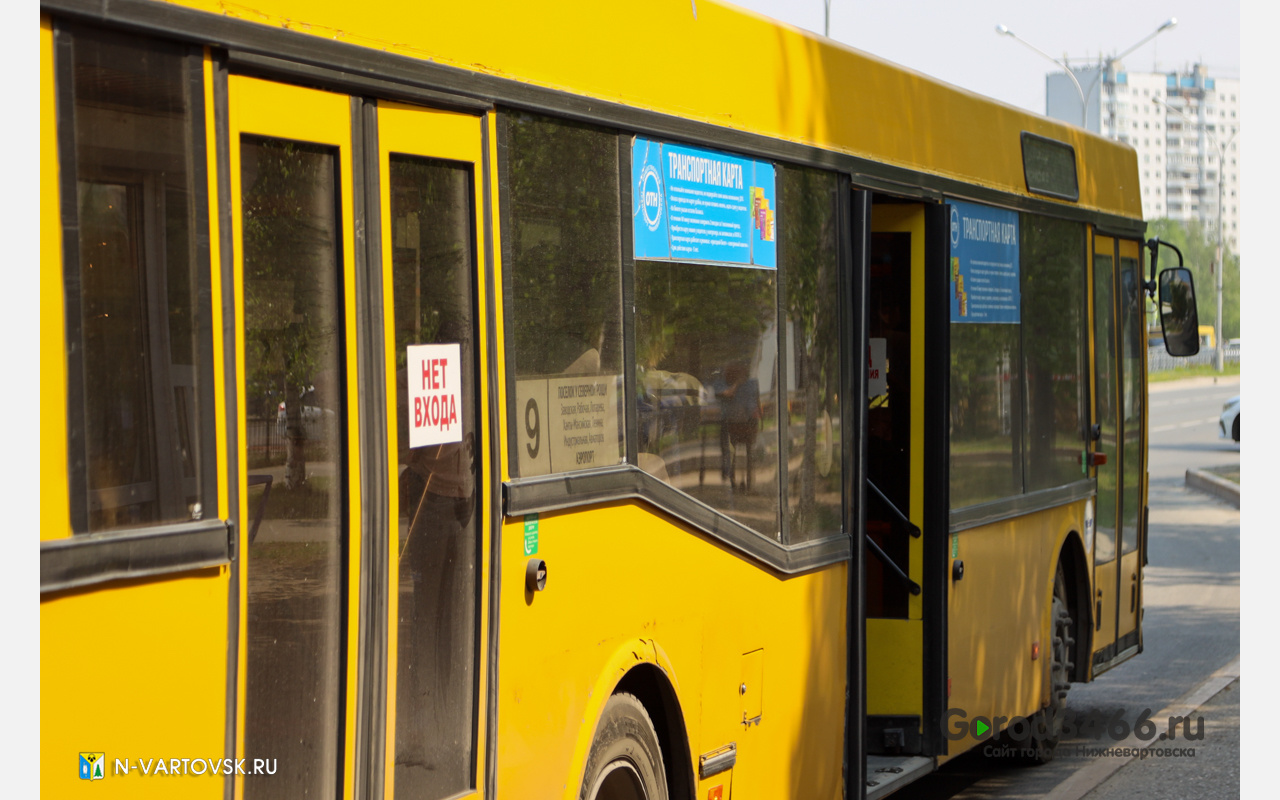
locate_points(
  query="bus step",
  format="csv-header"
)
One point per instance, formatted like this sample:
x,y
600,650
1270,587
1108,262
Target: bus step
x,y
887,774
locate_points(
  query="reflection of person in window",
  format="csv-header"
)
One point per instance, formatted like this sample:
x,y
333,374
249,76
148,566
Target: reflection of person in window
x,y
437,553
740,421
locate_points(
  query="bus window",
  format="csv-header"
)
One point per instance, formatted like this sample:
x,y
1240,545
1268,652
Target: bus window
x,y
564,258
810,264
706,358
1053,347
139,428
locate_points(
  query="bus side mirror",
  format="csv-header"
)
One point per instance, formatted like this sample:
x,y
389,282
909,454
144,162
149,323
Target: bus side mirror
x,y
1179,320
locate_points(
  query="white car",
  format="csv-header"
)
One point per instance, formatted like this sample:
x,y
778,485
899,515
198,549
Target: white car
x,y
1229,422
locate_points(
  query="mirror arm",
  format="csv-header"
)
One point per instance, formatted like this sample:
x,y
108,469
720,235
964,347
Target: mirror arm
x,y
1153,245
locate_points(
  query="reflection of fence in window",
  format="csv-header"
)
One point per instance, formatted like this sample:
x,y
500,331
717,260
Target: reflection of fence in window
x,y
266,444
1158,358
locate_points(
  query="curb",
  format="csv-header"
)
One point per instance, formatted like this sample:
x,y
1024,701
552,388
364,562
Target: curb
x,y
1096,773
1209,483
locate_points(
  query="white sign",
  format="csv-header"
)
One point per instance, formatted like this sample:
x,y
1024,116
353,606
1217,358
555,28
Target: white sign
x,y
877,368
435,393
568,423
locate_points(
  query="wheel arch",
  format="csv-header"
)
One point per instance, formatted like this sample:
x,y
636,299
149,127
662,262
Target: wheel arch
x,y
1076,569
650,686
641,668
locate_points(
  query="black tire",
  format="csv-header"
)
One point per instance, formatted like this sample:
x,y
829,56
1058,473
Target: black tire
x,y
1235,429
625,762
1047,724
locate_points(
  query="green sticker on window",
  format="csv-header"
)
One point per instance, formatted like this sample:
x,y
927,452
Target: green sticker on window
x,y
530,534
955,545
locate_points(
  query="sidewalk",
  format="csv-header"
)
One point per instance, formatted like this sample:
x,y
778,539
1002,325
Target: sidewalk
x,y
1193,383
1214,770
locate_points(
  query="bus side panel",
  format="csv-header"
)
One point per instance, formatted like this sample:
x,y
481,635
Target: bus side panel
x,y
623,576
998,611
136,671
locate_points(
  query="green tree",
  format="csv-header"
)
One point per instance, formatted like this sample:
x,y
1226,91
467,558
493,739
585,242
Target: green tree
x,y
1198,246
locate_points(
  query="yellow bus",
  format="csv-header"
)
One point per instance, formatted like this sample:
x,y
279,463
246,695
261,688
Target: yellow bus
x,y
585,401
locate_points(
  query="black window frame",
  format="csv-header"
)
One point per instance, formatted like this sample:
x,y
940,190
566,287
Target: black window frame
x,y
87,557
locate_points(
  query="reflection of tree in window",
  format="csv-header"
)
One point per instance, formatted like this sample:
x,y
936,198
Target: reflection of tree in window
x,y
565,245
706,342
986,446
1053,329
288,209
809,269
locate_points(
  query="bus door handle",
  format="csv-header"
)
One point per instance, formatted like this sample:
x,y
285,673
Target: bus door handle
x,y
897,514
894,569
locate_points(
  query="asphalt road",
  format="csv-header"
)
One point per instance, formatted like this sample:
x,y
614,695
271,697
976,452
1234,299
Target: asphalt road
x,y
1191,624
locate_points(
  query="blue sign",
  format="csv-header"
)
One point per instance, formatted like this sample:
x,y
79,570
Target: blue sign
x,y
985,283
694,204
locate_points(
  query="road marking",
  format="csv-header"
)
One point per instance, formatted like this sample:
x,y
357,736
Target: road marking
x,y
1176,426
1088,778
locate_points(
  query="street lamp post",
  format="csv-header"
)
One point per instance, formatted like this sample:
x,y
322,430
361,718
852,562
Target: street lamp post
x,y
1003,30
1219,356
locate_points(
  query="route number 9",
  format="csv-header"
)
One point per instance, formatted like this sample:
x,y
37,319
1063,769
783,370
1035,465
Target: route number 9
x,y
532,427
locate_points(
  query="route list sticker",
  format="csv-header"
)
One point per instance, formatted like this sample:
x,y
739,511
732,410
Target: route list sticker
x,y
434,376
695,204
567,423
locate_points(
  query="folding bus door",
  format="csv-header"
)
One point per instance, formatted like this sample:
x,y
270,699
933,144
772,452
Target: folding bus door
x,y
1107,441
1132,469
357,269
429,165
291,197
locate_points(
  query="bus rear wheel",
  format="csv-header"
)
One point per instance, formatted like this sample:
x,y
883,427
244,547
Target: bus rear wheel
x,y
625,762
1048,722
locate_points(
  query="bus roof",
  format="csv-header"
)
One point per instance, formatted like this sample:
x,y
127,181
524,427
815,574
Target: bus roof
x,y
713,62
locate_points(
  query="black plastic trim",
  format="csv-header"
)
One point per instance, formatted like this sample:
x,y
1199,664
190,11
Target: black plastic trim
x,y
64,99
625,482
626,231
998,510
353,61
854,278
494,465
226,252
1118,652
372,659
781,318
505,223
93,558
246,63
937,459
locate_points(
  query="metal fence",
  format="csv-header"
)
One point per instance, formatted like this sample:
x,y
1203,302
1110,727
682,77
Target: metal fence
x,y
1159,359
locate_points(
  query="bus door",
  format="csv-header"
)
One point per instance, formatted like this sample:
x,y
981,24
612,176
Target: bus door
x,y
1107,388
895,501
291,196
1132,469
429,165
355,267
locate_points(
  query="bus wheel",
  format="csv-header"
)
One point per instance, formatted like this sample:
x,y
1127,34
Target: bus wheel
x,y
1048,722
625,762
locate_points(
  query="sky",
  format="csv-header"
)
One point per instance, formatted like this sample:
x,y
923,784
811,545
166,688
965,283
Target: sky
x,y
956,40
